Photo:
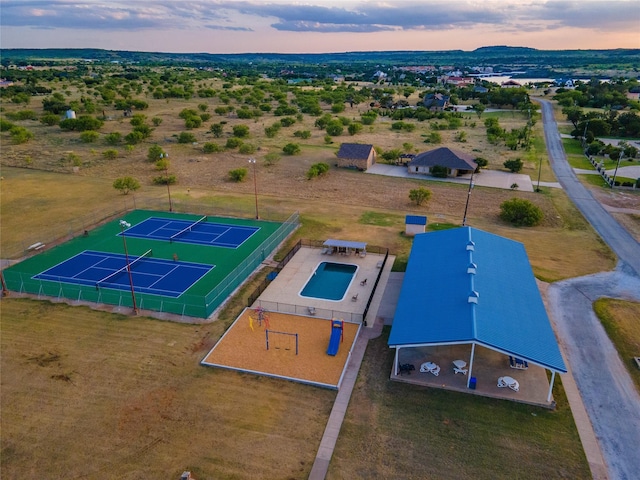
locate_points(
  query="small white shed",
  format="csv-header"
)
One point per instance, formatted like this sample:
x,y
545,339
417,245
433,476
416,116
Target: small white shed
x,y
415,224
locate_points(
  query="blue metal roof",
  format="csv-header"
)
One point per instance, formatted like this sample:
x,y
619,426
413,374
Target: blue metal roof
x,y
435,308
416,220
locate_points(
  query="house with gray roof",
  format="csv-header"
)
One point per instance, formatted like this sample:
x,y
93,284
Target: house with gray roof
x,y
436,102
457,163
356,155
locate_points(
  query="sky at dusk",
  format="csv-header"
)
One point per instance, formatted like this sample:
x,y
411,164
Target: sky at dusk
x,y
316,26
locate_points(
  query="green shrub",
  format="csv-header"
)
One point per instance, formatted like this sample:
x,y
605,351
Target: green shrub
x,y
126,184
271,158
287,121
238,175
22,115
355,128
246,149
50,119
113,138
20,135
186,137
211,147
89,136
110,154
520,212
155,153
419,195
240,131
514,166
335,128
439,171
304,134
233,142
291,149
6,125
164,180
317,170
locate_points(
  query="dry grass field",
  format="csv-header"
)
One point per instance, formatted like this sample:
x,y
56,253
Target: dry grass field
x,y
96,395
88,394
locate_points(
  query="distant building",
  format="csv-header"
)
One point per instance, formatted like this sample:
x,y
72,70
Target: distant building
x,y
510,84
356,155
456,163
436,102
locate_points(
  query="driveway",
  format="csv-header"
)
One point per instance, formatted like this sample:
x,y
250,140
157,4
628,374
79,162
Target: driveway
x,y
486,178
609,396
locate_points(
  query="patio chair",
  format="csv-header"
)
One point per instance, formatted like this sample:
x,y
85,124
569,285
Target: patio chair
x,y
312,310
501,382
354,298
518,363
515,386
363,282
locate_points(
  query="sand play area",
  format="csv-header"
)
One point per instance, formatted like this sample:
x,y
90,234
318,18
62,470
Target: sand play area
x,y
244,348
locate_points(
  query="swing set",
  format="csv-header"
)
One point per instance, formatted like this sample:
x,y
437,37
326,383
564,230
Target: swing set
x,y
290,337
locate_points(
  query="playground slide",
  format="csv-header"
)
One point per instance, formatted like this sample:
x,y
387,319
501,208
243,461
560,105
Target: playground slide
x,y
334,341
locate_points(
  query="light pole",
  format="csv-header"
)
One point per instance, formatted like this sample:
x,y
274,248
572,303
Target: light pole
x,y
539,172
124,225
615,173
466,207
255,185
166,177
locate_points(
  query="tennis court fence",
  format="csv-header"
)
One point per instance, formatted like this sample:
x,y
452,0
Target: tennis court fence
x,y
63,231
186,305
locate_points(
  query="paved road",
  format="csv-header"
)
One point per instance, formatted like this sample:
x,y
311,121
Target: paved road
x,y
621,242
609,396
608,393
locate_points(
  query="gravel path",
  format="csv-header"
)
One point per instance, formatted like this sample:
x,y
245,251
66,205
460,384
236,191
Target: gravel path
x,y
608,394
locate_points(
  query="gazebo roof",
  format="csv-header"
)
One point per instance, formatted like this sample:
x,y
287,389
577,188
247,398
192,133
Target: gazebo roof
x,y
469,286
344,243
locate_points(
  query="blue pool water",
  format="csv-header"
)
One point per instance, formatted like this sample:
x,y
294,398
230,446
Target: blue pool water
x,y
330,281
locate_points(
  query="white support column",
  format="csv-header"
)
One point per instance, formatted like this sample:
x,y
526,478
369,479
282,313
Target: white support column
x,y
395,361
553,376
473,349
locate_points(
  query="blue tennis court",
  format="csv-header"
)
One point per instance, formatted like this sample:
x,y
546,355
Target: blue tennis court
x,y
200,232
109,270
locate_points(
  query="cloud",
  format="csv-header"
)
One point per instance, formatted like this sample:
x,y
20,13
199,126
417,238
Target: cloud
x,y
349,16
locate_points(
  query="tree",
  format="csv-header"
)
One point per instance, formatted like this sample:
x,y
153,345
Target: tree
x,y
216,129
521,212
354,128
291,149
514,165
186,137
211,147
479,108
481,163
574,115
240,131
334,128
419,195
155,153
126,185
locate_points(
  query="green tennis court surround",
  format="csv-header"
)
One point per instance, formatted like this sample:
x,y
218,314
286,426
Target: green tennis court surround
x,y
232,260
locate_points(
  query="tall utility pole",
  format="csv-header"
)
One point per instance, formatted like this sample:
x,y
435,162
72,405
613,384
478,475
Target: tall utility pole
x,y
466,207
255,185
123,226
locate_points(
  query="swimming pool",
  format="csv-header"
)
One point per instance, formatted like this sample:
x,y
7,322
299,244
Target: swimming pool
x,y
329,281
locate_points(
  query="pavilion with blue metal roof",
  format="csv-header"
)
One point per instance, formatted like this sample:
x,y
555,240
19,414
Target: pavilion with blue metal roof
x,y
468,286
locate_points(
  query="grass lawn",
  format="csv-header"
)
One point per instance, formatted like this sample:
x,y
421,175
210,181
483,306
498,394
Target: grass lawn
x,y
97,395
396,430
620,320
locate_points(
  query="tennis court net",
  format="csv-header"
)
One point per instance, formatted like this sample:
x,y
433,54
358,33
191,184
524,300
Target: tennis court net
x,y
188,229
146,254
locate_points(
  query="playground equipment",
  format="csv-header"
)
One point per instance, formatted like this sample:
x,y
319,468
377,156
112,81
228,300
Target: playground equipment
x,y
273,333
262,318
337,336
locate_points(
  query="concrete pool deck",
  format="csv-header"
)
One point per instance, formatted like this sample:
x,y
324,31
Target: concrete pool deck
x,y
283,294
